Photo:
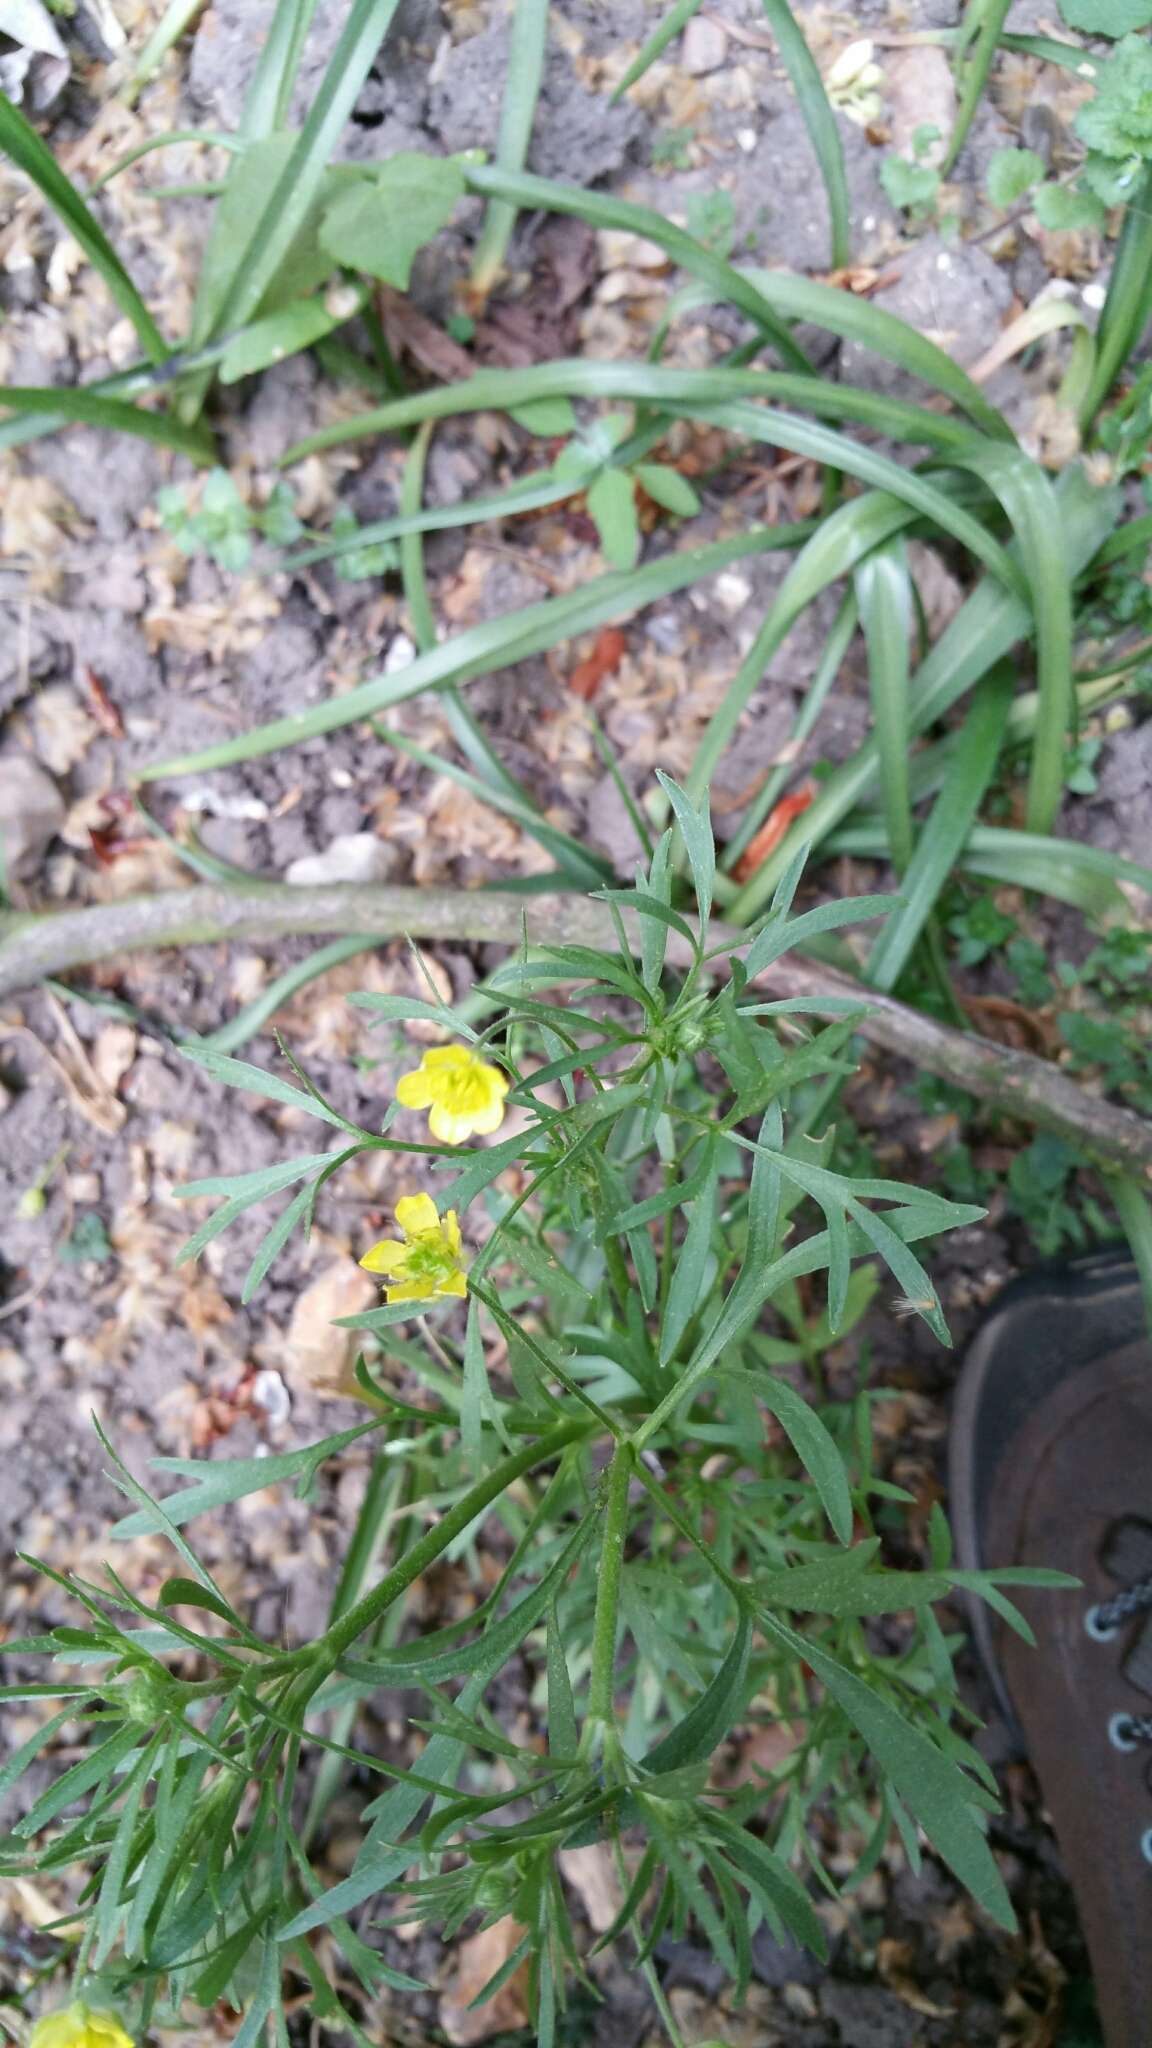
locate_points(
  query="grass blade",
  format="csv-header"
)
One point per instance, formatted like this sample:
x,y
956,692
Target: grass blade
x,y
1027,497
981,28
673,23
248,1021
113,413
177,18
984,630
270,93
644,384
885,599
529,34
1128,306
942,839
581,867
294,189
833,551
495,644
19,140
819,120
1085,876
835,648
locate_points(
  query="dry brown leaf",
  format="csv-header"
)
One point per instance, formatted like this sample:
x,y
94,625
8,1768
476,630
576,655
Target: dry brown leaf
x,y
591,1873
894,1961
113,1054
36,519
477,1960
319,1353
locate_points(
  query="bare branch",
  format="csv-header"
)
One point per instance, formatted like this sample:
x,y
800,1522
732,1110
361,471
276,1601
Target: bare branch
x,y
37,946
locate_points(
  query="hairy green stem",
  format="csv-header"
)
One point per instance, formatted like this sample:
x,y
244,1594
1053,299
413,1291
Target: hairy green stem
x,y
316,1660
602,1683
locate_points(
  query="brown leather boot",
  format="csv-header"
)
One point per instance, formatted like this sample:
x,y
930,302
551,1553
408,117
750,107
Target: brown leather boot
x,y
1050,1462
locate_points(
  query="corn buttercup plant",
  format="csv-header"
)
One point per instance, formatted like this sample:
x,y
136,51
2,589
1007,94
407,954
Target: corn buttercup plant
x,y
570,1372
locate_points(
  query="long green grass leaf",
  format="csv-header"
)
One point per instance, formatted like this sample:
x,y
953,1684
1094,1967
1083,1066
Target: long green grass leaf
x,y
833,551
1128,305
884,596
526,43
269,96
1085,876
767,296
1028,498
820,121
1135,1213
19,140
970,771
85,408
984,630
674,22
974,63
495,644
255,260
644,384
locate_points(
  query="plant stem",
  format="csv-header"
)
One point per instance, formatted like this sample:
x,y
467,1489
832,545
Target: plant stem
x,y
602,1684
317,1659
1016,1083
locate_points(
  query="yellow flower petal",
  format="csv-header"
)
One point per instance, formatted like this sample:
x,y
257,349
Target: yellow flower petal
x,y
415,1090
79,2027
407,1290
457,1283
389,1256
446,1056
450,1126
485,1121
452,1232
417,1213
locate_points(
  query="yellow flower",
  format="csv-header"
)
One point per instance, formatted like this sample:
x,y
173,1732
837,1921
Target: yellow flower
x,y
79,2027
426,1266
463,1092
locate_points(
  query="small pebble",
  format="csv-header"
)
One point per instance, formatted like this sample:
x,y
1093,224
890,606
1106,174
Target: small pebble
x,y
703,47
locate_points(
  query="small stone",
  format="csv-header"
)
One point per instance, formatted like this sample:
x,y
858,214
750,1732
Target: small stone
x,y
31,813
703,47
353,857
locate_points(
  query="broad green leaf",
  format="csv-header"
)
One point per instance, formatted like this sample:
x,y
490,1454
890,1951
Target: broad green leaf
x,y
1060,208
547,417
1106,17
1013,172
668,488
379,224
611,503
280,334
